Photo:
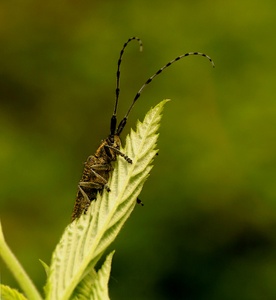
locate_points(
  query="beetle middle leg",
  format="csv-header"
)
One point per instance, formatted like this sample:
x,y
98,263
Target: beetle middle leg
x,y
86,201
95,185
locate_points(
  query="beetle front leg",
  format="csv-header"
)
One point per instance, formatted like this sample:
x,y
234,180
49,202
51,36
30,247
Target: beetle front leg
x,y
101,167
129,160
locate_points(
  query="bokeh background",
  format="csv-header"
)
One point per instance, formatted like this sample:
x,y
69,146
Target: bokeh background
x,y
207,230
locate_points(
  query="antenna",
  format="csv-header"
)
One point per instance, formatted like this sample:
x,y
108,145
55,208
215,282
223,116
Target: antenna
x,y
118,74
124,120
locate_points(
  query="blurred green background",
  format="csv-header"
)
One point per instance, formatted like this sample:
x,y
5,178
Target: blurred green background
x,y
207,230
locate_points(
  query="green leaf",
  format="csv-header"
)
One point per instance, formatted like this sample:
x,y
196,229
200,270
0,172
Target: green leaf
x,y
100,285
45,266
46,269
85,240
84,290
7,293
95,285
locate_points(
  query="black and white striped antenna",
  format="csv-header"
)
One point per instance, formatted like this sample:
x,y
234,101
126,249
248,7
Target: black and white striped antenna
x,y
124,120
118,75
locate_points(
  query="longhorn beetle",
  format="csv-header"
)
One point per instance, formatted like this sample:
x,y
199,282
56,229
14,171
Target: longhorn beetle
x,y
97,167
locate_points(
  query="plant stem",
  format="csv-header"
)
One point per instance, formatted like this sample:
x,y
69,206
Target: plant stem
x,y
17,270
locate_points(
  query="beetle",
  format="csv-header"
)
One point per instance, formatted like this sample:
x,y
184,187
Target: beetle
x,y
98,167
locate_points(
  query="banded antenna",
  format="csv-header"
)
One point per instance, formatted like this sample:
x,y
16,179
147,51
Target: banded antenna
x,y
118,74
124,120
